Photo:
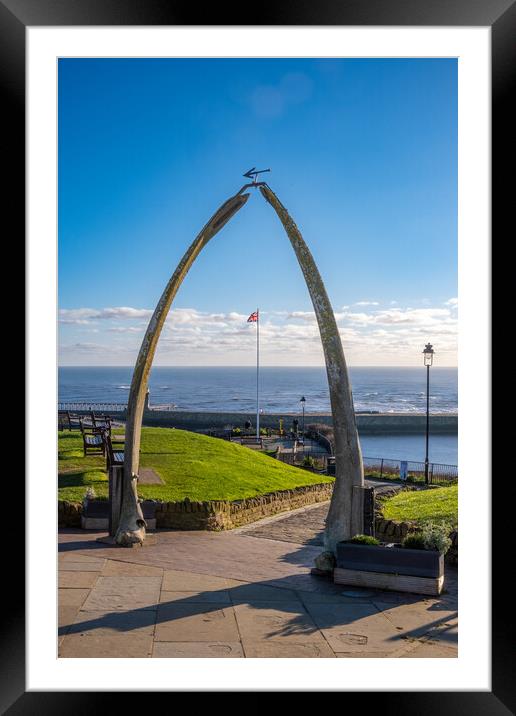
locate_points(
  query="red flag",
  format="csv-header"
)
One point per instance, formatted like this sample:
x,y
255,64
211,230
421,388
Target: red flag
x,y
253,317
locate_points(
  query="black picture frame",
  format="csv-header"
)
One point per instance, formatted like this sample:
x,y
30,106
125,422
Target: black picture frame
x,y
500,16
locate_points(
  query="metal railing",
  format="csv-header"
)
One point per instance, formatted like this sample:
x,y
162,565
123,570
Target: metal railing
x,y
108,407
323,441
410,470
384,468
299,451
95,407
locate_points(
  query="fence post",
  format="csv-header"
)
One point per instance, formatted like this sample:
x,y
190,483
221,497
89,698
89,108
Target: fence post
x,y
115,497
381,468
358,501
368,501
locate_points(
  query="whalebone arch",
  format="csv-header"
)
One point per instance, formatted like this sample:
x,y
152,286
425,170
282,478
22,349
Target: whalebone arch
x,y
345,513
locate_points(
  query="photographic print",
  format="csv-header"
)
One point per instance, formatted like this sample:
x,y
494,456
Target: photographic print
x,y
246,244
258,317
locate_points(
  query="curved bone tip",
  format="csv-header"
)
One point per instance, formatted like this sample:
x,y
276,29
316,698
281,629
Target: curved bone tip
x,y
130,538
267,193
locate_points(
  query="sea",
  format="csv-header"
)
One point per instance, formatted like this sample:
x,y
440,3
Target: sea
x,y
233,389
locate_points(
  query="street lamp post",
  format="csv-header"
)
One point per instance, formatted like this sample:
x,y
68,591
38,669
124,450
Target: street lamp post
x,y
303,401
428,355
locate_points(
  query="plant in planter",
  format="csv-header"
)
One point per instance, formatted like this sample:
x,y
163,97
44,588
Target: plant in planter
x,y
364,539
433,537
416,566
90,494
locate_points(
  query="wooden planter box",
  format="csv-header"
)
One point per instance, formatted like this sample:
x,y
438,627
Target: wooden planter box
x,y
395,568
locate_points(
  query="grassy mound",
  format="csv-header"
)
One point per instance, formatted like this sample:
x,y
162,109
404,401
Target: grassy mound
x,y
438,505
191,465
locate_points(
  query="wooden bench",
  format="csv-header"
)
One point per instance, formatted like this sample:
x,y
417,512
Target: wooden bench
x,y
222,435
114,457
92,439
63,422
102,421
68,421
251,440
106,423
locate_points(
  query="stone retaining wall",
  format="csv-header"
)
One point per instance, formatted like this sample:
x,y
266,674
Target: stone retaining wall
x,y
224,515
217,514
69,513
393,531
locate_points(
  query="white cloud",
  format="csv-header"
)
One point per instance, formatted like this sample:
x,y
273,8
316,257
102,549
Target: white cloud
x,y
125,312
76,321
83,347
393,336
124,329
413,316
366,303
303,315
78,316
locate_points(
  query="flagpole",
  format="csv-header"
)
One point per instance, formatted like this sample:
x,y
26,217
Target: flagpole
x,y
257,374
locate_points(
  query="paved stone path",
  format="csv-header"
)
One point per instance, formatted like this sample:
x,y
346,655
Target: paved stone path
x,y
148,476
236,594
306,525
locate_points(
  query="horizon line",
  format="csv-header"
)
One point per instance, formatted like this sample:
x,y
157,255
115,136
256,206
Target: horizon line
x,y
291,367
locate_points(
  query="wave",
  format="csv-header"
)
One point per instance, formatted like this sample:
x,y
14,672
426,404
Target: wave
x,y
378,390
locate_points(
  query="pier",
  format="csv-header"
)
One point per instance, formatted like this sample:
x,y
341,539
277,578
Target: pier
x,y
367,423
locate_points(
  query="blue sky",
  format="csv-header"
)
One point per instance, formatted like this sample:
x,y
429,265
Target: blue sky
x,y
363,153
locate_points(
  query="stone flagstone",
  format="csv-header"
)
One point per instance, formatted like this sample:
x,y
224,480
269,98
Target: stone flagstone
x,y
197,649
102,634
75,579
72,597
232,595
270,621
124,593
196,623
352,628
290,650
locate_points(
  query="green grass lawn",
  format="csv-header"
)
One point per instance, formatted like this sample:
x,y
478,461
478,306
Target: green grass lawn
x,y
191,465
412,479
436,505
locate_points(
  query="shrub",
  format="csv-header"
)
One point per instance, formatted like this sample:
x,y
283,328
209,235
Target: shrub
x,y
323,429
364,539
89,494
432,537
308,461
415,540
436,537
236,431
